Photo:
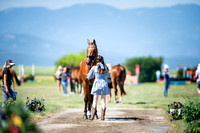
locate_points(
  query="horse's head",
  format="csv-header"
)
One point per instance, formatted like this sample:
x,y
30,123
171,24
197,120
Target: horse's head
x,y
92,52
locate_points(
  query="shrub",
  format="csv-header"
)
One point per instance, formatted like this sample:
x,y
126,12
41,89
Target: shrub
x,y
14,118
193,127
148,67
71,59
8,104
180,73
35,105
191,111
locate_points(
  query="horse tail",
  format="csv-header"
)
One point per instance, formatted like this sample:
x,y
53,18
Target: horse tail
x,y
16,79
121,75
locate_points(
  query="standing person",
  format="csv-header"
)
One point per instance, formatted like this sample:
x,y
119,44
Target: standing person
x,y
7,81
157,76
100,86
64,75
58,78
197,75
166,79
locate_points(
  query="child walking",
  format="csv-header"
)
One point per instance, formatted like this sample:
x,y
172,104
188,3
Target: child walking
x,y
100,86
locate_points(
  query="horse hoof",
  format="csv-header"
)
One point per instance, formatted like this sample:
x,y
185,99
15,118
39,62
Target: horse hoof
x,y
85,117
96,117
116,101
89,116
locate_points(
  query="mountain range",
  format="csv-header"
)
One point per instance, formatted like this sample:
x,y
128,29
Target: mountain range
x,y
40,36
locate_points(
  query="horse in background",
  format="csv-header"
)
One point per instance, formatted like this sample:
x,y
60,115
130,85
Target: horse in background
x,y
118,76
76,77
13,73
85,65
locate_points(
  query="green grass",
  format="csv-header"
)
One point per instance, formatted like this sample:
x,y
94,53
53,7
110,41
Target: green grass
x,y
146,95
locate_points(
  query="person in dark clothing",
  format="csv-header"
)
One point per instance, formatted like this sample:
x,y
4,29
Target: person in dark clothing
x,y
7,81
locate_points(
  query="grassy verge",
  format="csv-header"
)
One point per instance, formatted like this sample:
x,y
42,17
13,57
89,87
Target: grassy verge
x,y
146,95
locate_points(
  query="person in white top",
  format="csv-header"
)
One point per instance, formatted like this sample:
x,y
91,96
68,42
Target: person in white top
x,y
58,78
166,80
197,75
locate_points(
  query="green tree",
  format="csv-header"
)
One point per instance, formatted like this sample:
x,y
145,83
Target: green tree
x,y
180,72
71,59
148,67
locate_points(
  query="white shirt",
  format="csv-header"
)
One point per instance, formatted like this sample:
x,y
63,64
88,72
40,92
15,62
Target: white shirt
x,y
198,74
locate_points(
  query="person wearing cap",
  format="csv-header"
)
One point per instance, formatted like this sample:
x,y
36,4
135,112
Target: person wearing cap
x,y
197,75
100,86
7,81
58,78
166,80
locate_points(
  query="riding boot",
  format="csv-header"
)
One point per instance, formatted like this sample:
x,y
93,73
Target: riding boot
x,y
103,114
94,111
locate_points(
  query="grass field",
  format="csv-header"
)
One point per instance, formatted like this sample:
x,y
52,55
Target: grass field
x,y
146,95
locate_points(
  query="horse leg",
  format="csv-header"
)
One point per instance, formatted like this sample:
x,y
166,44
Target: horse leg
x,y
90,100
114,83
85,100
122,87
121,90
81,87
77,86
85,110
74,85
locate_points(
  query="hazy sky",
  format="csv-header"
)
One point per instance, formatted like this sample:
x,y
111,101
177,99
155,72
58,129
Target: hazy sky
x,y
120,4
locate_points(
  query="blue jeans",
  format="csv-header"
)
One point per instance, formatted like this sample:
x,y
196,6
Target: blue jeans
x,y
64,84
10,94
166,87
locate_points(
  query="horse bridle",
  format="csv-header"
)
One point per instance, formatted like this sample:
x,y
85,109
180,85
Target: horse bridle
x,y
93,56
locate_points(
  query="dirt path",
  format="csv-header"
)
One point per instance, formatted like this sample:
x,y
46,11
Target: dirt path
x,y
117,121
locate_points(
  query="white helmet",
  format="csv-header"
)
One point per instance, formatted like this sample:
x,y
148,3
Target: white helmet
x,y
60,67
198,67
166,66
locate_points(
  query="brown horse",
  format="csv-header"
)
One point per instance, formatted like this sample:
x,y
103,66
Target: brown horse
x,y
13,75
85,65
76,77
118,76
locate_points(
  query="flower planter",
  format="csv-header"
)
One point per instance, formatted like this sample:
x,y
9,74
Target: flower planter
x,y
173,111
